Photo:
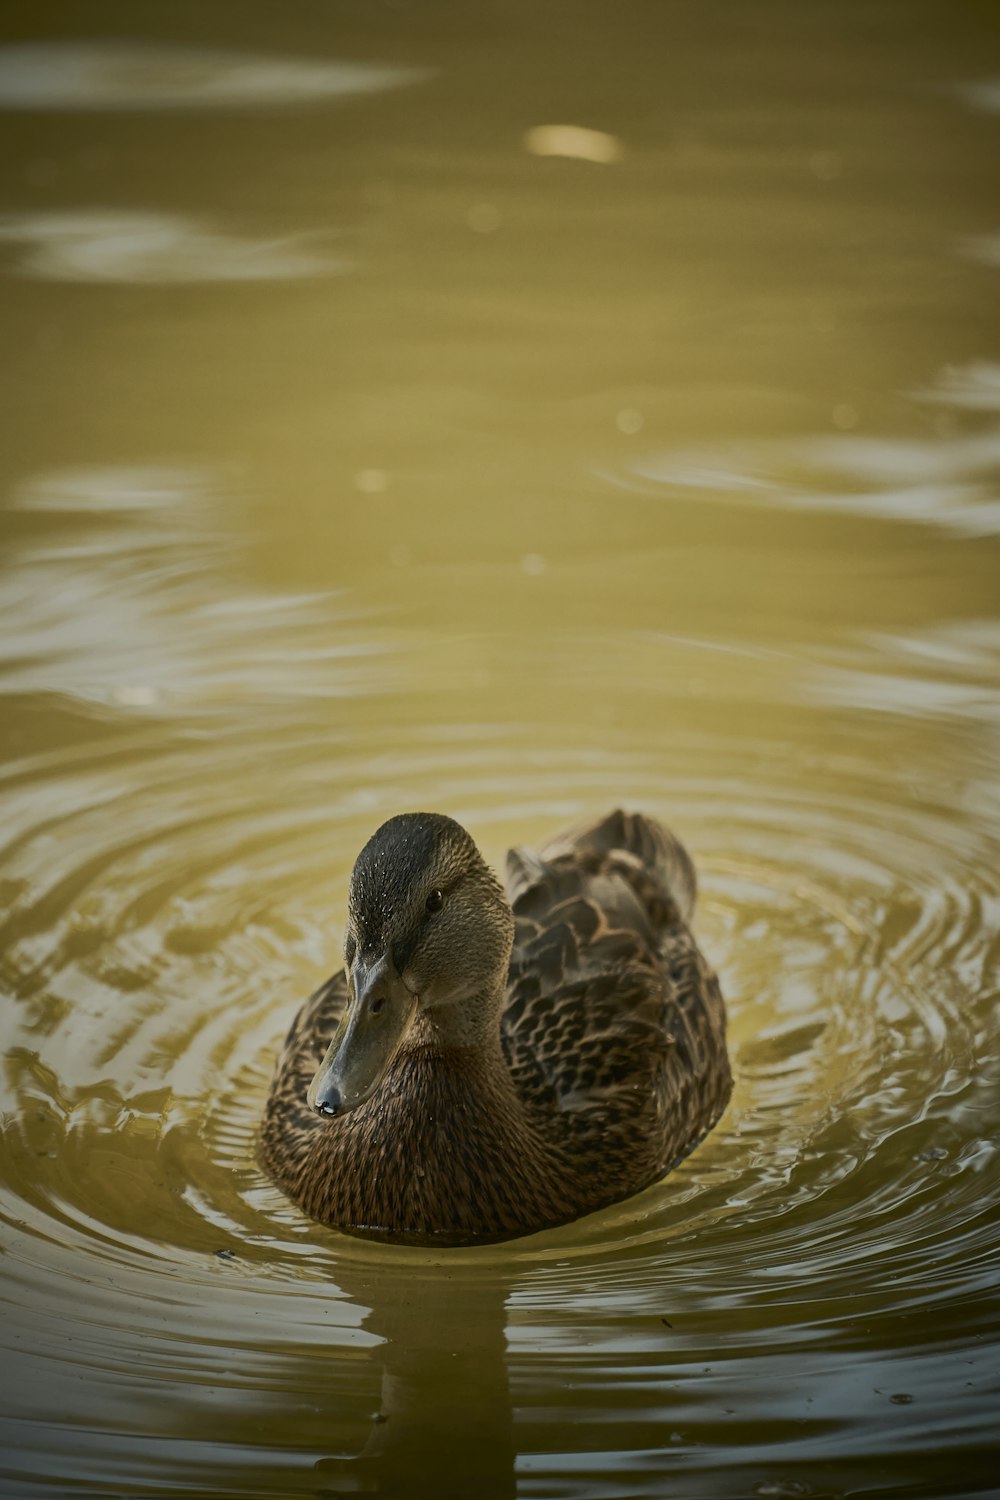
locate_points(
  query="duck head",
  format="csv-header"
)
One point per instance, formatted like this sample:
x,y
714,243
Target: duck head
x,y
429,936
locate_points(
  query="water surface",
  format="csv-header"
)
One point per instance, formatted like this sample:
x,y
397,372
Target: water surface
x,y
512,413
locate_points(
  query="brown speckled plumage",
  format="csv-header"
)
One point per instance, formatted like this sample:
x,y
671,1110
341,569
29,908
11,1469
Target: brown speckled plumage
x,y
605,1063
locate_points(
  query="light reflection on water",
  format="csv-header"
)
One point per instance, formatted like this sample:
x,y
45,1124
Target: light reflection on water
x,y
587,499
119,75
154,249
948,479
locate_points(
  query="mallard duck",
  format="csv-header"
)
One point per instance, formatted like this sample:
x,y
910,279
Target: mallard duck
x,y
488,1063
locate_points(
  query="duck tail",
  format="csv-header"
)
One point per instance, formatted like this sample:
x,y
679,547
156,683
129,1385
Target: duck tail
x,y
652,859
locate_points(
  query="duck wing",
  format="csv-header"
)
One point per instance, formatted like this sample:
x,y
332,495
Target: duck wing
x,y
614,1026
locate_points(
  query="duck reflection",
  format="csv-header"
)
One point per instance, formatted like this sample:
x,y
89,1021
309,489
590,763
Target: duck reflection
x,y
441,1423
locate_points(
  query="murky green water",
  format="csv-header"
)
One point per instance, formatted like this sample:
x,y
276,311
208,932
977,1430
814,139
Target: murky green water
x,y
361,455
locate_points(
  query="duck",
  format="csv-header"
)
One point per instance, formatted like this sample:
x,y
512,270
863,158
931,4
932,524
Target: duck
x,y
496,1060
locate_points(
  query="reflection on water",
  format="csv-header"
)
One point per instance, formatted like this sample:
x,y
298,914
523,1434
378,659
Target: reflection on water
x,y
158,490
82,617
113,74
949,673
985,247
573,140
651,458
947,480
983,94
154,248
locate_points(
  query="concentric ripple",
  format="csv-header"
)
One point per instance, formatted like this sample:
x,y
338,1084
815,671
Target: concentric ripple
x,y
166,914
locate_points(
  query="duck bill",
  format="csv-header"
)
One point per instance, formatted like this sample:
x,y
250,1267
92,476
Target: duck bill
x,y
366,1042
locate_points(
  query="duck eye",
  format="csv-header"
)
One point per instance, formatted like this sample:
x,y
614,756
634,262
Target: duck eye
x,y
435,901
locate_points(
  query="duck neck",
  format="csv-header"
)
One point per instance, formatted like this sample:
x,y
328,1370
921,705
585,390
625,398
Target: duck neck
x,y
472,1023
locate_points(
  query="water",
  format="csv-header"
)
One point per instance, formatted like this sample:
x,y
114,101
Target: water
x,y
361,455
